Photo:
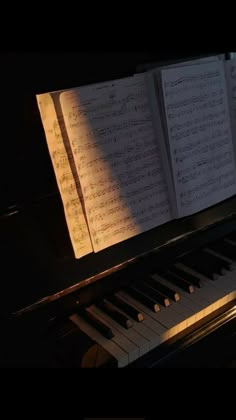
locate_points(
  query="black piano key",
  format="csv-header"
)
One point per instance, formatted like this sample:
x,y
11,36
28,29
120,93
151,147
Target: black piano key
x,y
217,264
166,291
97,322
126,307
231,237
154,294
190,278
204,264
191,261
224,248
175,279
143,298
221,264
115,314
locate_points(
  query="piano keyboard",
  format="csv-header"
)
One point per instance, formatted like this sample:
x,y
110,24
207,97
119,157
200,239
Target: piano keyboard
x,y
135,320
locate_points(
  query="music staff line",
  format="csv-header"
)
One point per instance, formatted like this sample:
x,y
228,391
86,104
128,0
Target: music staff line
x,y
195,99
137,215
198,87
205,159
195,109
195,121
209,143
205,194
139,199
193,78
132,122
118,187
200,129
205,172
112,157
83,109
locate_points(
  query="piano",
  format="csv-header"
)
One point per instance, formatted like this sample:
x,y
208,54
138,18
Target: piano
x,y
166,298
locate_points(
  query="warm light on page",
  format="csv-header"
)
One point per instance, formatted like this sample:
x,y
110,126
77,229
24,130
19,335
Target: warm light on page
x,y
117,159
76,222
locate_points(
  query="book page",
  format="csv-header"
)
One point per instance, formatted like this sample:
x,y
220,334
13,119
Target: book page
x,y
230,66
159,120
154,94
199,135
117,158
176,63
74,214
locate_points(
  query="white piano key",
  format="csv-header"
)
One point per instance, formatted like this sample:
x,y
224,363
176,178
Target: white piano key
x,y
144,327
118,353
207,299
147,333
207,291
131,334
200,302
166,316
190,298
225,282
197,305
158,328
182,309
169,321
212,292
182,302
230,280
122,341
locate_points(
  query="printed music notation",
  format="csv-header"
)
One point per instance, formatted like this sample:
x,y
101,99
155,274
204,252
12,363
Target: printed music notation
x,y
232,64
200,138
113,153
117,159
231,83
75,218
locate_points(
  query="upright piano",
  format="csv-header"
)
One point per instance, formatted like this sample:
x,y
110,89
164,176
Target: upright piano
x,y
165,298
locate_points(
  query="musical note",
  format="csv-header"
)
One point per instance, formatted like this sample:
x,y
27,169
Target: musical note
x,y
67,185
233,69
231,84
111,135
199,133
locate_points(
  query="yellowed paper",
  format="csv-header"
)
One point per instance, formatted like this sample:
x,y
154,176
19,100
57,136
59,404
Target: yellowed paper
x,y
74,214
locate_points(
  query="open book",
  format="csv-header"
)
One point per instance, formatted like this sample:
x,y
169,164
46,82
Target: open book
x,y
134,153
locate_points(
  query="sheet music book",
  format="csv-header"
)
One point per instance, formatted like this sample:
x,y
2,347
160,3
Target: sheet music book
x,y
134,153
